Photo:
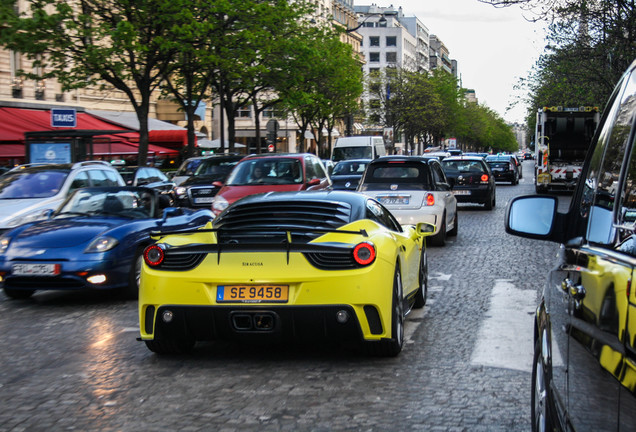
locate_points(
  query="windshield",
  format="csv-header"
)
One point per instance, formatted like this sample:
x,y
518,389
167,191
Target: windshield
x,y
360,152
218,170
463,167
189,167
132,204
270,171
31,184
349,168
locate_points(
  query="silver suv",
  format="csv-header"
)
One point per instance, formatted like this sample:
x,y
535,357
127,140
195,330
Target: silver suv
x,y
27,192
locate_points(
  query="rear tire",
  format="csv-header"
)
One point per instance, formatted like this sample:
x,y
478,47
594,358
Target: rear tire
x,y
453,232
392,347
439,239
18,294
422,292
490,203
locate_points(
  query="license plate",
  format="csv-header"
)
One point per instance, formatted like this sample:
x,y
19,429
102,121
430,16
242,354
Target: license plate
x,y
36,269
252,293
205,200
393,200
461,192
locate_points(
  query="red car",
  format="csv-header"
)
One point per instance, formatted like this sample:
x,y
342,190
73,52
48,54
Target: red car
x,y
272,173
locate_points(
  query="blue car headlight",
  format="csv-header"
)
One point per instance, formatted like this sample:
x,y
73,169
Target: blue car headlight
x,y
101,244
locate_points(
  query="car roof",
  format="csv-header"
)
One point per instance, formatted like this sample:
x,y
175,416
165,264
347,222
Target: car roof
x,y
461,158
278,155
354,161
61,167
396,158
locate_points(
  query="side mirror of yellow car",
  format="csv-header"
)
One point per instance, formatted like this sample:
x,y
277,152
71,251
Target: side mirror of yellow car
x,y
425,229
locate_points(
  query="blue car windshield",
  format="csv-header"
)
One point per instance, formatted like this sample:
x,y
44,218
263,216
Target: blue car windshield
x,y
31,184
123,203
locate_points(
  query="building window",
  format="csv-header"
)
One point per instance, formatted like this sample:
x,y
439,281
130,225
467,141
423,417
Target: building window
x,y
244,112
374,41
374,72
271,112
391,57
391,41
368,24
374,57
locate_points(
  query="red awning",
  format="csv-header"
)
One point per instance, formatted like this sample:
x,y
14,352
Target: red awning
x,y
14,122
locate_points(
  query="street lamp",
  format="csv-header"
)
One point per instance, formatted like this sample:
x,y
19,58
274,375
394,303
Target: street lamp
x,y
381,21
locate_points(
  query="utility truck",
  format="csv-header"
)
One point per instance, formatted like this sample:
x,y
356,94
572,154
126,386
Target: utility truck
x,y
562,137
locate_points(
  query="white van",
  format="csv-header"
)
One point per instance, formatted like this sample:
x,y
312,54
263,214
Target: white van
x,y
358,147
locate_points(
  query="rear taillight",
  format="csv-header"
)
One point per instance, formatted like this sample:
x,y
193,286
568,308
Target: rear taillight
x,y
484,178
430,199
153,255
364,253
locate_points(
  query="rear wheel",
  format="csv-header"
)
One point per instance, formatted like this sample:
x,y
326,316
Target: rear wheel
x,y
422,292
390,347
439,239
453,232
490,202
18,294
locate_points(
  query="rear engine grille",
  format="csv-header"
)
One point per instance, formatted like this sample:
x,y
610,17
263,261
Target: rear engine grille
x,y
332,260
281,215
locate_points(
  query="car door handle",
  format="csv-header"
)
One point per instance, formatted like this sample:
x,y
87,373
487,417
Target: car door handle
x,y
576,291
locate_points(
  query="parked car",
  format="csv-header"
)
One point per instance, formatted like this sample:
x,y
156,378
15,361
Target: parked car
x,y
187,169
286,266
347,173
504,168
149,177
277,172
584,373
93,241
414,189
517,162
471,179
198,190
27,192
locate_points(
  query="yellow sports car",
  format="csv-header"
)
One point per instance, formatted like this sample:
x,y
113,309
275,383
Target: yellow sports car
x,y
291,265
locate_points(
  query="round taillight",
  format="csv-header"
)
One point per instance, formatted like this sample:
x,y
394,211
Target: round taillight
x,y
153,255
364,253
430,199
484,177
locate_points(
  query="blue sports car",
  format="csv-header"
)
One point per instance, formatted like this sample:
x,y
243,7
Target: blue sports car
x,y
93,240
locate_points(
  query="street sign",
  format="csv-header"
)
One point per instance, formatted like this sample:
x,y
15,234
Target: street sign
x,y
270,148
63,118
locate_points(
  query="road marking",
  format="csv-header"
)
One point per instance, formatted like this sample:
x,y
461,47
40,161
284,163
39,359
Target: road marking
x,y
505,338
413,322
440,276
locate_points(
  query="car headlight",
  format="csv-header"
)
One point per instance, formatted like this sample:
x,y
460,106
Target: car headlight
x,y
29,217
4,244
181,191
219,204
101,244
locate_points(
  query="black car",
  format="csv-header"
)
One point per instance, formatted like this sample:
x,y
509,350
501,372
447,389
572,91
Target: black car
x,y
347,173
200,188
471,179
504,167
584,373
146,176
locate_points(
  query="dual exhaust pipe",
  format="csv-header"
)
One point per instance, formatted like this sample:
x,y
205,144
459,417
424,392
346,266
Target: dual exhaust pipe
x,y
253,321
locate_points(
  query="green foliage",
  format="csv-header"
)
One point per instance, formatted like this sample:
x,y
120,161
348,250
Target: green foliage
x,y
591,45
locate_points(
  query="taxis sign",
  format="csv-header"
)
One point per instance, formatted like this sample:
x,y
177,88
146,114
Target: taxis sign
x,y
63,118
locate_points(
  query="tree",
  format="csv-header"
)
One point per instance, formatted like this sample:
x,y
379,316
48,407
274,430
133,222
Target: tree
x,y
119,42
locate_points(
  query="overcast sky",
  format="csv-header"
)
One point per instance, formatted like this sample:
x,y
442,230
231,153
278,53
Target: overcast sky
x,y
493,46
